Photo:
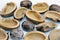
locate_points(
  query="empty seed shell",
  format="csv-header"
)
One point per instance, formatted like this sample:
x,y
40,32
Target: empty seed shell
x,y
34,16
46,26
3,34
52,15
8,9
54,35
20,13
9,23
34,35
40,7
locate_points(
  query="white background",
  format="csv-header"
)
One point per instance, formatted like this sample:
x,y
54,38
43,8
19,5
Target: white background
x,y
3,2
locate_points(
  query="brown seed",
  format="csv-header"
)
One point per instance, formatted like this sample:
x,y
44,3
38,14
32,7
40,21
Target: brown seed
x,y
28,26
26,3
55,7
16,34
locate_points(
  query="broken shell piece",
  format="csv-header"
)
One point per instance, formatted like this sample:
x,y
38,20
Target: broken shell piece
x,y
16,34
46,26
40,7
34,35
20,13
28,26
3,34
55,7
54,35
34,16
9,23
8,9
52,15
